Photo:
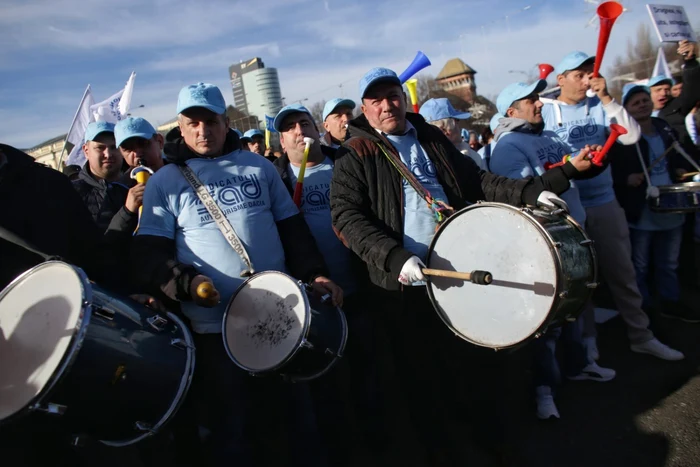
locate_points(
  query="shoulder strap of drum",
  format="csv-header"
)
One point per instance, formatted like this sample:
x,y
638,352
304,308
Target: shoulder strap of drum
x,y
440,209
221,221
17,240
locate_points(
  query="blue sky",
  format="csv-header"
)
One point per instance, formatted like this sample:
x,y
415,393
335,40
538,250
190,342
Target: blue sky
x,y
50,50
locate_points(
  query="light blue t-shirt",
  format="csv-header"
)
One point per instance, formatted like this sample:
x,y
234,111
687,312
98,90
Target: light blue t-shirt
x,y
520,155
582,124
659,176
419,220
486,152
253,197
315,204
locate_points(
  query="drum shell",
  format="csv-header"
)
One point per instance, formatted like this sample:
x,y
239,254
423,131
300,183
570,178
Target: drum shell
x,y
571,253
680,198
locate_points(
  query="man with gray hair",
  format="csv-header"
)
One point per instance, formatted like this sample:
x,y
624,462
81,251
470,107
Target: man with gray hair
x,y
440,113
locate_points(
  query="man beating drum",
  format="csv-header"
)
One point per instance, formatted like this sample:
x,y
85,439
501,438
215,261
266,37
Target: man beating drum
x,y
179,246
393,181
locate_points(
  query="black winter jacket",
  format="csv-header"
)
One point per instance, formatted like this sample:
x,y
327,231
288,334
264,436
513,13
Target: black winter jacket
x,y
367,193
625,162
39,205
675,110
153,259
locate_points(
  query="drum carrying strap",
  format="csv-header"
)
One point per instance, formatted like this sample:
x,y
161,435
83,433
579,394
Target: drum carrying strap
x,y
221,221
13,238
440,209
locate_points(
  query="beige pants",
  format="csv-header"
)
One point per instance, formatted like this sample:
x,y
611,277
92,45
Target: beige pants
x,y
607,227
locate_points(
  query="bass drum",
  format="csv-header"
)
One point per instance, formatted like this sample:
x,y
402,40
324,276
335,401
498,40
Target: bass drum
x,y
543,267
104,367
273,326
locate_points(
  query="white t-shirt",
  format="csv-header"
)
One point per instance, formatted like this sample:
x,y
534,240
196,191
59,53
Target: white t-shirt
x,y
253,197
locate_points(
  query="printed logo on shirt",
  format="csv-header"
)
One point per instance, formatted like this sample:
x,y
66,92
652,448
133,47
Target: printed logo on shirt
x,y
578,133
316,197
660,168
423,170
232,194
553,153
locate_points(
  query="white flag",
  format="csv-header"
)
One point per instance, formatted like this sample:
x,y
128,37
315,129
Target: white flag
x,y
661,67
77,130
116,106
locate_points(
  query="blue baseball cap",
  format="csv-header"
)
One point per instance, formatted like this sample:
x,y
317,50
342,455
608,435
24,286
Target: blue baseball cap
x,y
572,61
437,109
495,121
377,75
290,109
201,95
248,135
95,128
660,79
333,104
133,127
515,92
632,88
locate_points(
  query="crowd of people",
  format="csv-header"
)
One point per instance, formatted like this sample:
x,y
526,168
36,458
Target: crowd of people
x,y
375,189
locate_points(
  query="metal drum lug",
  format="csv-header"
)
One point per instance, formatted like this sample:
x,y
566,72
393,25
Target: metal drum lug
x,y
307,345
564,294
55,409
331,353
143,426
586,242
180,344
537,335
592,285
557,245
157,322
103,313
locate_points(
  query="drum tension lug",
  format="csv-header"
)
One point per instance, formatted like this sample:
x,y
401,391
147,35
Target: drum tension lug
x,y
143,426
586,242
564,294
180,344
157,322
51,408
331,353
307,345
557,244
592,285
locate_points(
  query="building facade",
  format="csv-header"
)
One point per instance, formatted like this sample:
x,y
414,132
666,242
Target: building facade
x,y
48,152
457,78
256,89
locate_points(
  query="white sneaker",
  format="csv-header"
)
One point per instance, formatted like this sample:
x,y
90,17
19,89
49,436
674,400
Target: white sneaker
x,y
593,372
546,408
591,346
657,349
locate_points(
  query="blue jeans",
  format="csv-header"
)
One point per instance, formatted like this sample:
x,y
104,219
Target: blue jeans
x,y
663,248
545,365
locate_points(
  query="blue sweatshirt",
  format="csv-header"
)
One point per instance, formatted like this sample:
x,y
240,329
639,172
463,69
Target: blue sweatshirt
x,y
521,152
586,123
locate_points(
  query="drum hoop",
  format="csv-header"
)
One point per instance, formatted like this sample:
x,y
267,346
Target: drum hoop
x,y
338,356
182,390
303,335
527,212
77,338
688,187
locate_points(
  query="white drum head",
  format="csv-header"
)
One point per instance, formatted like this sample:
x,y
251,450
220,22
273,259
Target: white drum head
x,y
265,321
39,313
503,241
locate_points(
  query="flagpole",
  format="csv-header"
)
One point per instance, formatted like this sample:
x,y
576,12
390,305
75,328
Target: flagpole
x,y
65,141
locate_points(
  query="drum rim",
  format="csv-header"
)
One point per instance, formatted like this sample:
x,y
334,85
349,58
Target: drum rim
x,y
679,187
183,389
73,348
337,357
528,212
302,335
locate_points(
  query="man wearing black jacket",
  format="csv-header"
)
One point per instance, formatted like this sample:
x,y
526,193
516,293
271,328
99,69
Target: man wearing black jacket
x,y
380,216
674,110
179,246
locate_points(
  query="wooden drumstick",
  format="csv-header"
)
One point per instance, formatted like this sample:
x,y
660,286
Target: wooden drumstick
x,y
660,158
205,290
689,174
477,277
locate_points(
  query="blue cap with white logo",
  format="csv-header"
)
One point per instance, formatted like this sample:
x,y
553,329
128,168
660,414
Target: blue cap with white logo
x,y
248,135
203,95
290,109
377,75
515,92
631,89
572,61
333,104
437,109
133,127
659,80
95,128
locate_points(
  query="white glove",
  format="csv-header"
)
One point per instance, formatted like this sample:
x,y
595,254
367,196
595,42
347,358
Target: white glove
x,y
549,200
412,271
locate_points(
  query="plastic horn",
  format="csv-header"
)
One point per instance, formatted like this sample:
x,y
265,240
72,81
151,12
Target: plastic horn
x,y
608,12
419,62
412,85
545,70
300,179
615,132
267,138
141,174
